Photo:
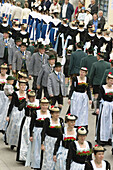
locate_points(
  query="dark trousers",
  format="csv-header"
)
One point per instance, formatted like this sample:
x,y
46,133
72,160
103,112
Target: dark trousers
x,y
38,92
58,99
46,93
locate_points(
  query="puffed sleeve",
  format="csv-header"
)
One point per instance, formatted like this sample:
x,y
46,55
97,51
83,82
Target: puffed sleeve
x,y
45,126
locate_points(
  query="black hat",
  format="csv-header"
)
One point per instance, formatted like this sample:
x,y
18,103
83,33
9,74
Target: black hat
x,y
58,64
24,44
82,131
80,44
10,78
7,31
100,54
90,49
47,47
41,46
18,39
51,57
81,24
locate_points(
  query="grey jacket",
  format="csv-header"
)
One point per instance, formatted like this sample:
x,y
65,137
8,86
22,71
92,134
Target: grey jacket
x,y
2,48
53,84
43,75
36,63
10,58
17,60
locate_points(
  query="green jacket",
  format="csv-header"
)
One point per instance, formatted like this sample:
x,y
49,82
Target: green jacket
x,y
105,75
75,59
87,62
97,71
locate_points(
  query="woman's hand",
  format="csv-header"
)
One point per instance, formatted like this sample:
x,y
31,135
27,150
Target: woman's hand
x,y
69,102
42,147
31,139
54,158
90,101
97,111
7,119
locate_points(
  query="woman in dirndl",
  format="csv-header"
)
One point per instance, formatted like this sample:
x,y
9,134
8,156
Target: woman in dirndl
x,y
104,111
51,130
69,134
34,155
30,106
79,152
98,163
78,98
14,116
3,98
53,28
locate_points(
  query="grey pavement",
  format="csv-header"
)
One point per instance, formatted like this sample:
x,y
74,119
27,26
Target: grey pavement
x,y
8,157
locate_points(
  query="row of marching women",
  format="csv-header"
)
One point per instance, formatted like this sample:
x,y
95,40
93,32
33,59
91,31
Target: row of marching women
x,y
43,140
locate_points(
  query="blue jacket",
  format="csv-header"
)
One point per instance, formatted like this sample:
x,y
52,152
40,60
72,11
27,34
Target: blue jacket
x,y
69,11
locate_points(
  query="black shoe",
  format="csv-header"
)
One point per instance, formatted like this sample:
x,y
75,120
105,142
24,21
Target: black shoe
x,y
94,114
12,147
92,106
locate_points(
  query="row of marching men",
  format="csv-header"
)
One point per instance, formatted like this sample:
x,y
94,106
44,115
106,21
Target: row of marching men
x,y
47,128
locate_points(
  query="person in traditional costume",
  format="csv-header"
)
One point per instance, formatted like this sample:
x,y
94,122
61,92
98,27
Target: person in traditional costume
x,y
25,13
81,32
15,29
46,19
61,36
52,128
5,96
107,72
3,75
37,60
4,25
24,34
79,152
53,27
6,45
89,37
44,73
34,158
14,116
97,71
30,106
5,100
68,135
104,111
98,162
97,39
21,59
66,67
21,76
78,98
16,47
75,59
71,34
56,85
89,60
105,44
